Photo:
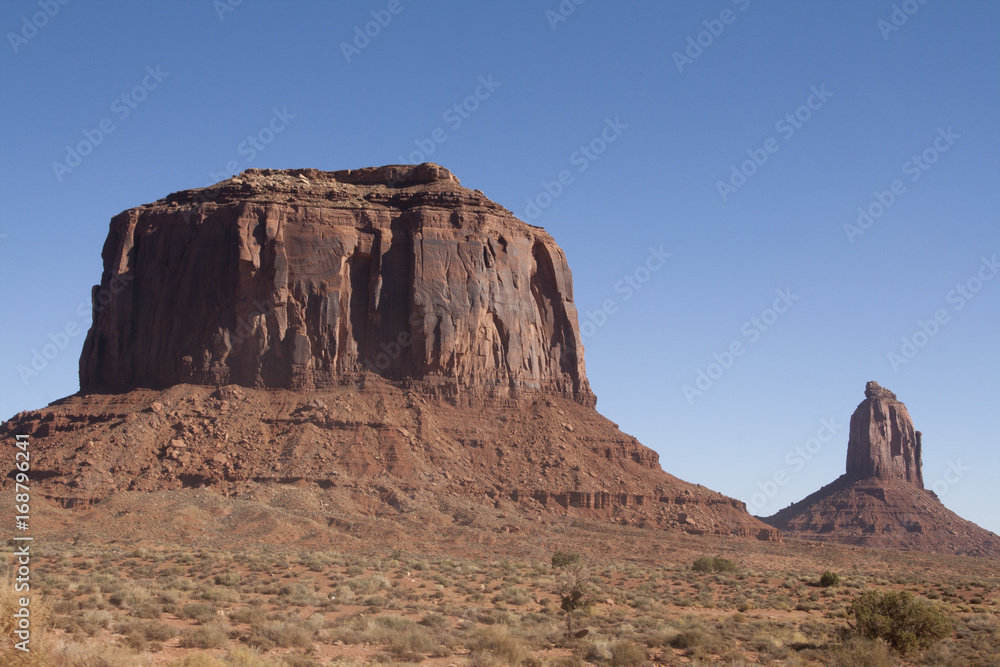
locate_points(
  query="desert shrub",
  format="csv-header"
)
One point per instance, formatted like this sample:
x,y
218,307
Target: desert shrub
x,y
627,654
497,642
860,652
242,656
251,615
128,596
98,655
829,579
289,635
228,579
564,558
435,620
138,633
206,636
410,645
899,619
709,564
203,612
369,584
689,639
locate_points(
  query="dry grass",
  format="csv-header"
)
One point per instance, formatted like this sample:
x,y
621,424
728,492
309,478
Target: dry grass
x,y
168,606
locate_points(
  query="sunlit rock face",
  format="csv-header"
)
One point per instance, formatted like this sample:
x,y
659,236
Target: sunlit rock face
x,y
304,278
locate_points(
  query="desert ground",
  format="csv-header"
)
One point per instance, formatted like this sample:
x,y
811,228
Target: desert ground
x,y
465,595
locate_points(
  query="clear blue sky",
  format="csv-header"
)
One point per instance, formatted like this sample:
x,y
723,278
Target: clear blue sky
x,y
199,80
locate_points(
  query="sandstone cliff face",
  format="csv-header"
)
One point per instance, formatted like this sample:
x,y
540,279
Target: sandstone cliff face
x,y
303,279
883,444
881,501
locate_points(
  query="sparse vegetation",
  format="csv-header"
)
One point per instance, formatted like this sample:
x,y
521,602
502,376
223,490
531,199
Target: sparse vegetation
x,y
262,609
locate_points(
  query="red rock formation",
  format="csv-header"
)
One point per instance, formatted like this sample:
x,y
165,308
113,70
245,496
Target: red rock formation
x,y
883,444
384,339
881,501
304,278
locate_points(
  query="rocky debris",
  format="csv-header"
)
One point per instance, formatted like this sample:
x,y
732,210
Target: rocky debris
x,y
881,501
304,279
382,452
883,443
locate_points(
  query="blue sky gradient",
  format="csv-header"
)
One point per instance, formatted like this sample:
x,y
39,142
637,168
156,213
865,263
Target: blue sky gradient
x,y
820,108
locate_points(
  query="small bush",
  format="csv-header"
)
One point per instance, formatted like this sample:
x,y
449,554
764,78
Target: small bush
x,y
564,558
829,579
627,654
208,636
899,619
708,564
497,642
228,579
203,612
859,652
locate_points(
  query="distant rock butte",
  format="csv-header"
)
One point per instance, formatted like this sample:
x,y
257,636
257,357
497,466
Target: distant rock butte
x,y
385,341
881,501
882,443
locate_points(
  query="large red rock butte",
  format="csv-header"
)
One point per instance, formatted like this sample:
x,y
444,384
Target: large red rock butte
x,y
385,341
303,279
881,500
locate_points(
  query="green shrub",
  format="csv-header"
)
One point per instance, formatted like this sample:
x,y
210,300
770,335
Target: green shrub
x,y
708,564
899,619
564,558
829,579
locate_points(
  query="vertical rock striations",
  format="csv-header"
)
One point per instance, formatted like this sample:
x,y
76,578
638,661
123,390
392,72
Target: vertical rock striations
x,y
304,278
883,444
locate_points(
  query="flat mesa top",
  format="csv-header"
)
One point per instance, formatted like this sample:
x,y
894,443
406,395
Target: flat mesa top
x,y
388,187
